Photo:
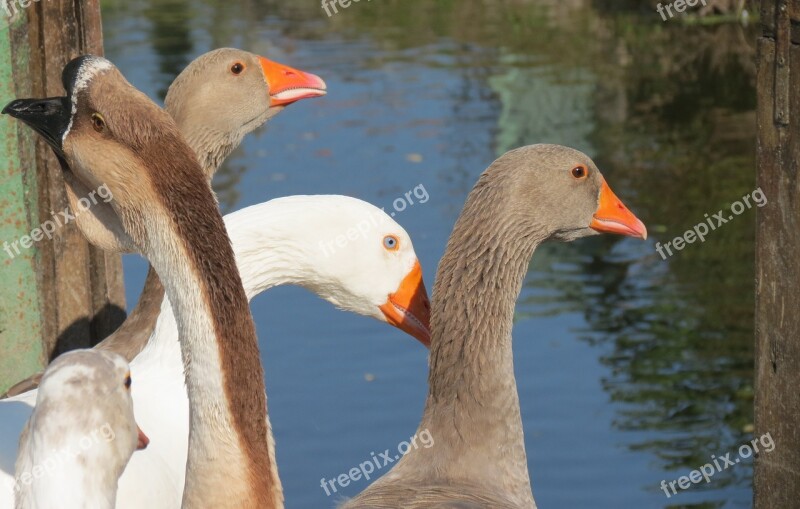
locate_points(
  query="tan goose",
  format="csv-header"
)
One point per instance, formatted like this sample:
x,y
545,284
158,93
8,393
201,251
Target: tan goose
x,y
218,99
111,134
528,196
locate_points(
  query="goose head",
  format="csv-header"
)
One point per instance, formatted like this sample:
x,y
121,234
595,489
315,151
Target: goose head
x,y
227,93
83,417
111,134
557,192
372,261
345,250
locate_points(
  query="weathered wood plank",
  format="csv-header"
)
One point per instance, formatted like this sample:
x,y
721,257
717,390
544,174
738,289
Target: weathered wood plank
x,y
777,399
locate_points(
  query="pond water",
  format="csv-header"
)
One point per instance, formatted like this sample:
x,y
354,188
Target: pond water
x,y
632,369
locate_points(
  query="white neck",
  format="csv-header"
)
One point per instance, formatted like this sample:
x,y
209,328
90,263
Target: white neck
x,y
64,473
268,250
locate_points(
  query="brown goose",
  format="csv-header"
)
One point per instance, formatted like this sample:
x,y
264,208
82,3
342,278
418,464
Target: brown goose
x,y
200,100
528,196
111,134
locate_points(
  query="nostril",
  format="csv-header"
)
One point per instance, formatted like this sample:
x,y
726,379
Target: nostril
x,y
288,73
620,205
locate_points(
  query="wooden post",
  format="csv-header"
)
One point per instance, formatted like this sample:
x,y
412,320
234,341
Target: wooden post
x,y
777,398
59,294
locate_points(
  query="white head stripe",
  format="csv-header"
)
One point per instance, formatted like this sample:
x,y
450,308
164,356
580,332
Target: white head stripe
x,y
89,69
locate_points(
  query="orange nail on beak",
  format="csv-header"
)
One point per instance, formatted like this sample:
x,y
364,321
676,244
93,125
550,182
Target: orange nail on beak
x,y
612,216
409,309
287,85
143,440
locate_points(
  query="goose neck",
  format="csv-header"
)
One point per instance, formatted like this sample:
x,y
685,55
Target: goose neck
x,y
471,361
268,251
472,410
211,146
229,431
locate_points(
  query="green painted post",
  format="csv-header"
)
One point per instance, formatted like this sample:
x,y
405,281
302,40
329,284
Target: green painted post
x,y
58,293
21,349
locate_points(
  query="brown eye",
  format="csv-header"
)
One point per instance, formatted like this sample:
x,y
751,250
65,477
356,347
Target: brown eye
x,y
98,122
237,68
580,172
128,382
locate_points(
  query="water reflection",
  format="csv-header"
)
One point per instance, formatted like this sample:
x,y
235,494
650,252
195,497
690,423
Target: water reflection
x,y
666,110
171,35
673,120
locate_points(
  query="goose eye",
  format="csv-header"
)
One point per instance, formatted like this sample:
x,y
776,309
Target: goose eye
x,y
237,68
391,243
128,382
580,172
98,122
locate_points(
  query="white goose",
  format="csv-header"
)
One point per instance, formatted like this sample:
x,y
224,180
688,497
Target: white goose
x,y
80,436
283,241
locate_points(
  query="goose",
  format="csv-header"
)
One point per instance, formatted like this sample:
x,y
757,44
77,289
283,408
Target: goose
x,y
275,243
81,435
199,100
528,196
111,134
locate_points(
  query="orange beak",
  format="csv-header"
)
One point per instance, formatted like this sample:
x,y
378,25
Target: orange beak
x,y
612,216
409,309
287,85
143,440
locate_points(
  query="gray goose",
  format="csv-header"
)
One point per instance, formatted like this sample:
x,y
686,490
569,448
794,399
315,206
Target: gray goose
x,y
218,99
528,196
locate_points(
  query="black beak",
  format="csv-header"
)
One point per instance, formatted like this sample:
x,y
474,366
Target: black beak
x,y
48,117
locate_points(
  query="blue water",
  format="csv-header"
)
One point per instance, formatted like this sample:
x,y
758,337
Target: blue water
x,y
425,101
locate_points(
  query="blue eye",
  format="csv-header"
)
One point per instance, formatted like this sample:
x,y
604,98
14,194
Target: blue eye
x,y
391,243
